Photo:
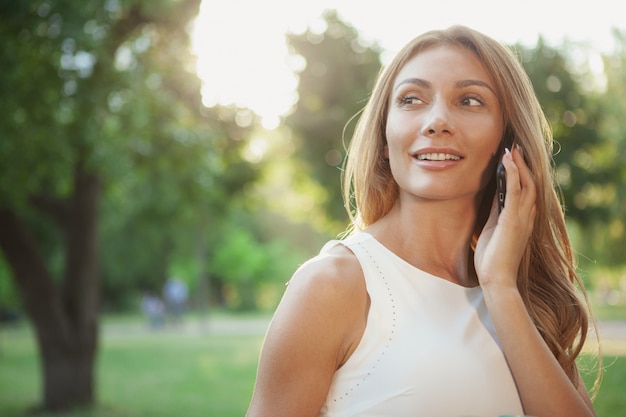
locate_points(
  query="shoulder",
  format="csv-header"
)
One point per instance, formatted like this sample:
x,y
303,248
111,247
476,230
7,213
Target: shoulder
x,y
336,269
327,292
322,313
315,328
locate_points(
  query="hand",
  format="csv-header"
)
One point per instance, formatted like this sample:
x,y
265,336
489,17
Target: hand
x,y
504,238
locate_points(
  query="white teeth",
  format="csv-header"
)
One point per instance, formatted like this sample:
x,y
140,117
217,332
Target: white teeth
x,y
437,157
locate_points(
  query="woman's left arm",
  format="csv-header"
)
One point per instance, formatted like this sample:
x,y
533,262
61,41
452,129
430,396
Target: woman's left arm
x,y
544,387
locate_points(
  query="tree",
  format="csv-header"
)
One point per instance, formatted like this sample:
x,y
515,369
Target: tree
x,y
585,157
574,116
334,86
613,128
170,199
90,93
247,266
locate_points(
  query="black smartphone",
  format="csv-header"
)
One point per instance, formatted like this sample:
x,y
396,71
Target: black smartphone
x,y
500,186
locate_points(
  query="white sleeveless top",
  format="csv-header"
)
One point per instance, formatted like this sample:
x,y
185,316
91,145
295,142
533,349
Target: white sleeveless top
x,y
429,347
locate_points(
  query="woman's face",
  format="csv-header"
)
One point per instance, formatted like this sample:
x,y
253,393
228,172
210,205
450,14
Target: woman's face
x,y
444,125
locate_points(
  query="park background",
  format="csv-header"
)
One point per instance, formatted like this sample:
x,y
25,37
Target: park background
x,y
123,163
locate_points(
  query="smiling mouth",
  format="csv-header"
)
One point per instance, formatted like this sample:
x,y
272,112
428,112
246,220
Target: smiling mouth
x,y
437,157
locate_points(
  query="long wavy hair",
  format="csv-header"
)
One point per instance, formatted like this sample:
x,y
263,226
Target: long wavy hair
x,y
548,280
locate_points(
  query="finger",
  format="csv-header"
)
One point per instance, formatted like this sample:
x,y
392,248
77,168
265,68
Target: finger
x,y
526,179
513,186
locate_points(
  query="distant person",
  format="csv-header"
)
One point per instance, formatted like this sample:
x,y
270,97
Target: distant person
x,y
153,308
436,304
175,293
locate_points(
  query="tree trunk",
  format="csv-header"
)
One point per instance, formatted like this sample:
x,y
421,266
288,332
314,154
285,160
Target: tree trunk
x,y
68,374
65,317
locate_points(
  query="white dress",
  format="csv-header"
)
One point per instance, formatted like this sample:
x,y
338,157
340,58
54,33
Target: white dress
x,y
429,348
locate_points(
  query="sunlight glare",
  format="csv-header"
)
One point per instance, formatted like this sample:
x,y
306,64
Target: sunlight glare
x,y
242,51
243,60
255,150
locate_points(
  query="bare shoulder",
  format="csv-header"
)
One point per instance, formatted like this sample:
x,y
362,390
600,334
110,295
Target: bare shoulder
x,y
315,328
336,270
327,297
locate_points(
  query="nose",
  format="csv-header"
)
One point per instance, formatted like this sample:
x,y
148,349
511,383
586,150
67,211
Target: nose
x,y
437,120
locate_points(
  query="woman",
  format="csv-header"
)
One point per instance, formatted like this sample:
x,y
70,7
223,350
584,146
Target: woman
x,y
437,304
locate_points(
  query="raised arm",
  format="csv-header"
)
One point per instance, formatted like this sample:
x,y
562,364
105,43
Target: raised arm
x,y
544,387
316,327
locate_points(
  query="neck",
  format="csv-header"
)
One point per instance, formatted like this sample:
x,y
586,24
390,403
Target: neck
x,y
434,236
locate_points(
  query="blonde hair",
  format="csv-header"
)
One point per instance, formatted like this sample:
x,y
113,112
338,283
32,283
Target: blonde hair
x,y
548,282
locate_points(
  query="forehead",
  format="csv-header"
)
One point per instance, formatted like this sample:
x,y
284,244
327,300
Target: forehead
x,y
444,63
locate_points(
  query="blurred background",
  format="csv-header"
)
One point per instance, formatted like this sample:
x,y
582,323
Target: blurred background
x,y
165,165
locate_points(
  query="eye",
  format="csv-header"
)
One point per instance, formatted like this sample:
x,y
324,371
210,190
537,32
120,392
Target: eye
x,y
408,100
471,101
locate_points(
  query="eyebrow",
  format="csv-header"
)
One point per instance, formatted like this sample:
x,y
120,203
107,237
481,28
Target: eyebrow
x,y
459,84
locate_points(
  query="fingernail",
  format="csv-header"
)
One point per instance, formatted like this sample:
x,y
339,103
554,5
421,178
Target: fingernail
x,y
507,153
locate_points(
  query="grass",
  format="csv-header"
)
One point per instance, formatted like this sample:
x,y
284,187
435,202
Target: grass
x,y
144,374
173,373
611,401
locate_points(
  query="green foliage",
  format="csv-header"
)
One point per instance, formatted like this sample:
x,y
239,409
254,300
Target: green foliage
x,y
580,153
157,212
110,87
614,129
589,151
334,85
247,265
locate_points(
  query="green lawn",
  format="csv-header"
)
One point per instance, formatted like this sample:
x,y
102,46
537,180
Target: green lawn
x,y
147,374
172,373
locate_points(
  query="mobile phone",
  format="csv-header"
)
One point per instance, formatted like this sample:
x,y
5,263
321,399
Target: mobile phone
x,y
500,186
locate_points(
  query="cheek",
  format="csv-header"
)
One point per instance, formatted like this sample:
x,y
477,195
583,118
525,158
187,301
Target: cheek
x,y
394,149
399,132
490,145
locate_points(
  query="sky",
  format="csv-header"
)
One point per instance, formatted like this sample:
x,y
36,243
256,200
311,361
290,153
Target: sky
x,y
243,58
